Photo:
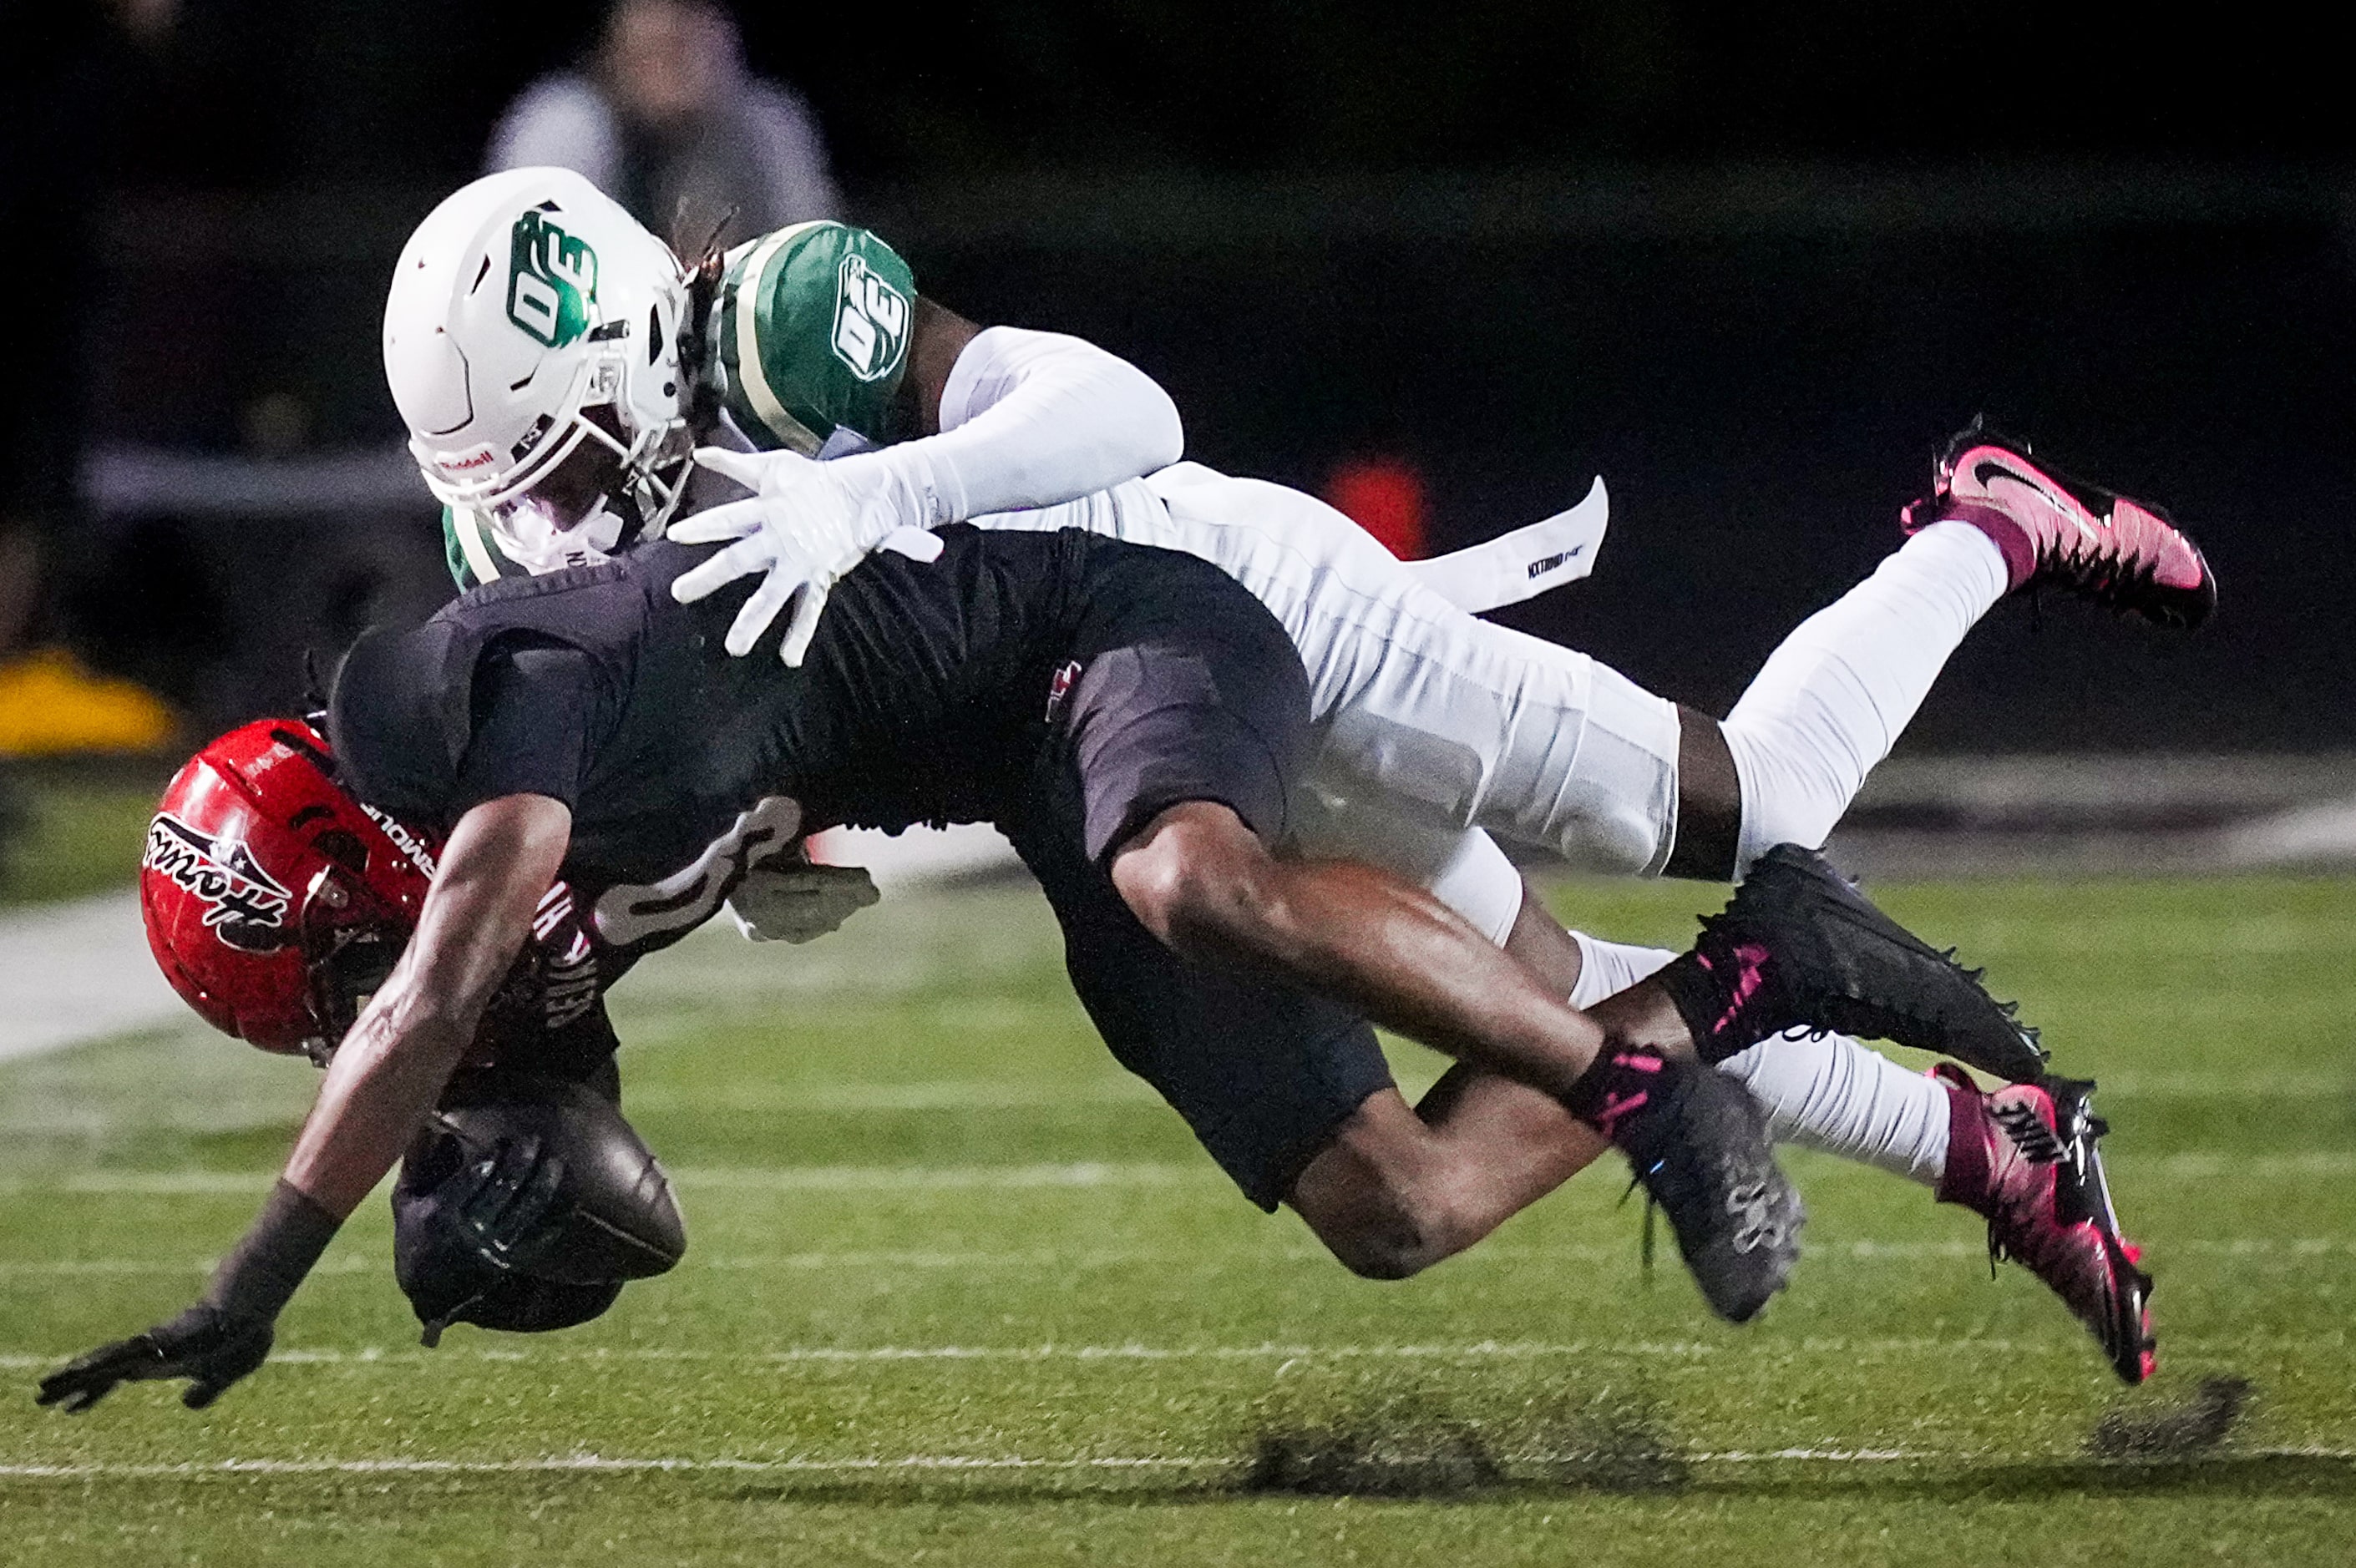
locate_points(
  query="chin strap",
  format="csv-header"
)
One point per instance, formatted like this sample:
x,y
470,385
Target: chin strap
x,y
431,1338
701,405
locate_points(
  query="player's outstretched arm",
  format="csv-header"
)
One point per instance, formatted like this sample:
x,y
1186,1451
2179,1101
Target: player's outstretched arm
x,y
385,1077
1022,420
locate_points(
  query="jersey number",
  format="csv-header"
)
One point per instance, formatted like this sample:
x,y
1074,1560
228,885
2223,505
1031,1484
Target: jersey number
x,y
629,915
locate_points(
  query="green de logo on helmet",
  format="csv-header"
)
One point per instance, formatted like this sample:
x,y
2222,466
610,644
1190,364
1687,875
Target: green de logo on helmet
x,y
552,278
871,320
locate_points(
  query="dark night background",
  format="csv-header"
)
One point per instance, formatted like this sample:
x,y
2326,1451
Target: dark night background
x,y
1751,263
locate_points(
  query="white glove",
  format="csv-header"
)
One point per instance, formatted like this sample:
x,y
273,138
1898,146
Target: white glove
x,y
805,525
795,900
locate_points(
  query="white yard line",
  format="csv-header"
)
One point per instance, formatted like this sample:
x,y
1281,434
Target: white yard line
x,y
595,1464
75,972
375,1356
938,1094
953,1096
2277,1247
807,1179
372,1356
2196,1164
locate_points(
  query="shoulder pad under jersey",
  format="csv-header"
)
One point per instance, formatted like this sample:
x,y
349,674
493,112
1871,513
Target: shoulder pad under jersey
x,y
809,336
399,711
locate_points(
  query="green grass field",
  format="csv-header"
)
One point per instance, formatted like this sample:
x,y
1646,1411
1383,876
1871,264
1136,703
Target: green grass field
x,y
81,827
960,1291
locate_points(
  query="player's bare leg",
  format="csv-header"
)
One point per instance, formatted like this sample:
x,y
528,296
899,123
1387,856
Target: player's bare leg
x,y
1709,802
1397,1190
1206,886
1203,883
1400,1190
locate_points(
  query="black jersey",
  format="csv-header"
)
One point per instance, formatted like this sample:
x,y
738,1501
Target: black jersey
x,y
1067,687
928,695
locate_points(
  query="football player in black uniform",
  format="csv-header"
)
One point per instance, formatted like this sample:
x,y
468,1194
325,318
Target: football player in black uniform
x,y
1131,718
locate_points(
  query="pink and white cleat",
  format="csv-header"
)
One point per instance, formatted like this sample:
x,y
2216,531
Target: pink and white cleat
x,y
2097,544
2025,1158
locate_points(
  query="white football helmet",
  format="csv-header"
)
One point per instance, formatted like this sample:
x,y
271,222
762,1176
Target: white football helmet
x,y
523,302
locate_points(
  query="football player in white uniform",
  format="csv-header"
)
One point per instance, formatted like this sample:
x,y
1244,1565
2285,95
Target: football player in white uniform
x,y
556,366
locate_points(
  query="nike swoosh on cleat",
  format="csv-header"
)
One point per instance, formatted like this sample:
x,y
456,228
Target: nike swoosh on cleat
x,y
1982,469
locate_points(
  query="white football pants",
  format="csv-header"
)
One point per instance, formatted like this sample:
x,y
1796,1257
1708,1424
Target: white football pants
x,y
1432,724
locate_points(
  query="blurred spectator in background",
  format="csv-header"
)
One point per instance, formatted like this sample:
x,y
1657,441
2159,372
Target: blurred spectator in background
x,y
665,119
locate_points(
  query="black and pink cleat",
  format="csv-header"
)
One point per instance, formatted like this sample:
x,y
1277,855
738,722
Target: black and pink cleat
x,y
1799,947
2026,1159
2093,542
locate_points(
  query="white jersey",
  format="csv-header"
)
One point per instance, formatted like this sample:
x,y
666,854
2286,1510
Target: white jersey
x,y
1433,724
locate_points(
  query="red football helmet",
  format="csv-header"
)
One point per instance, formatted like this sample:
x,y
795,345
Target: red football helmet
x,y
275,900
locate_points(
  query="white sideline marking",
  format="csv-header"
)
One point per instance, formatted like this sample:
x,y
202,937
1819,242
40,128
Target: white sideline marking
x,y
955,1462
1053,1258
78,970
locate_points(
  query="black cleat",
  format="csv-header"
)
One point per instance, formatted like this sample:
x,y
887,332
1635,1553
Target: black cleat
x,y
1698,1145
1799,947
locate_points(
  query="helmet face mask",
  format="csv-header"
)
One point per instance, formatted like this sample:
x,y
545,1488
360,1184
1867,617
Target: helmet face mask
x,y
529,317
592,503
350,941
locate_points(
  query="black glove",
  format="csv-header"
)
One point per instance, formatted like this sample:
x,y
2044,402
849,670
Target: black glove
x,y
501,1201
227,1334
206,1345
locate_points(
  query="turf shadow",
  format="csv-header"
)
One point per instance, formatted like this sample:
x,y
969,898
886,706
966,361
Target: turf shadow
x,y
2188,1427
2225,1476
1422,1445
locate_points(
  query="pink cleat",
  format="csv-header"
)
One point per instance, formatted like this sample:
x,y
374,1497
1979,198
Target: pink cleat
x,y
2025,1159
2098,545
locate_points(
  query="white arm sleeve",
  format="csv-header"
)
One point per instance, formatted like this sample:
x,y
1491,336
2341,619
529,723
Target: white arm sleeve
x,y
1029,419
